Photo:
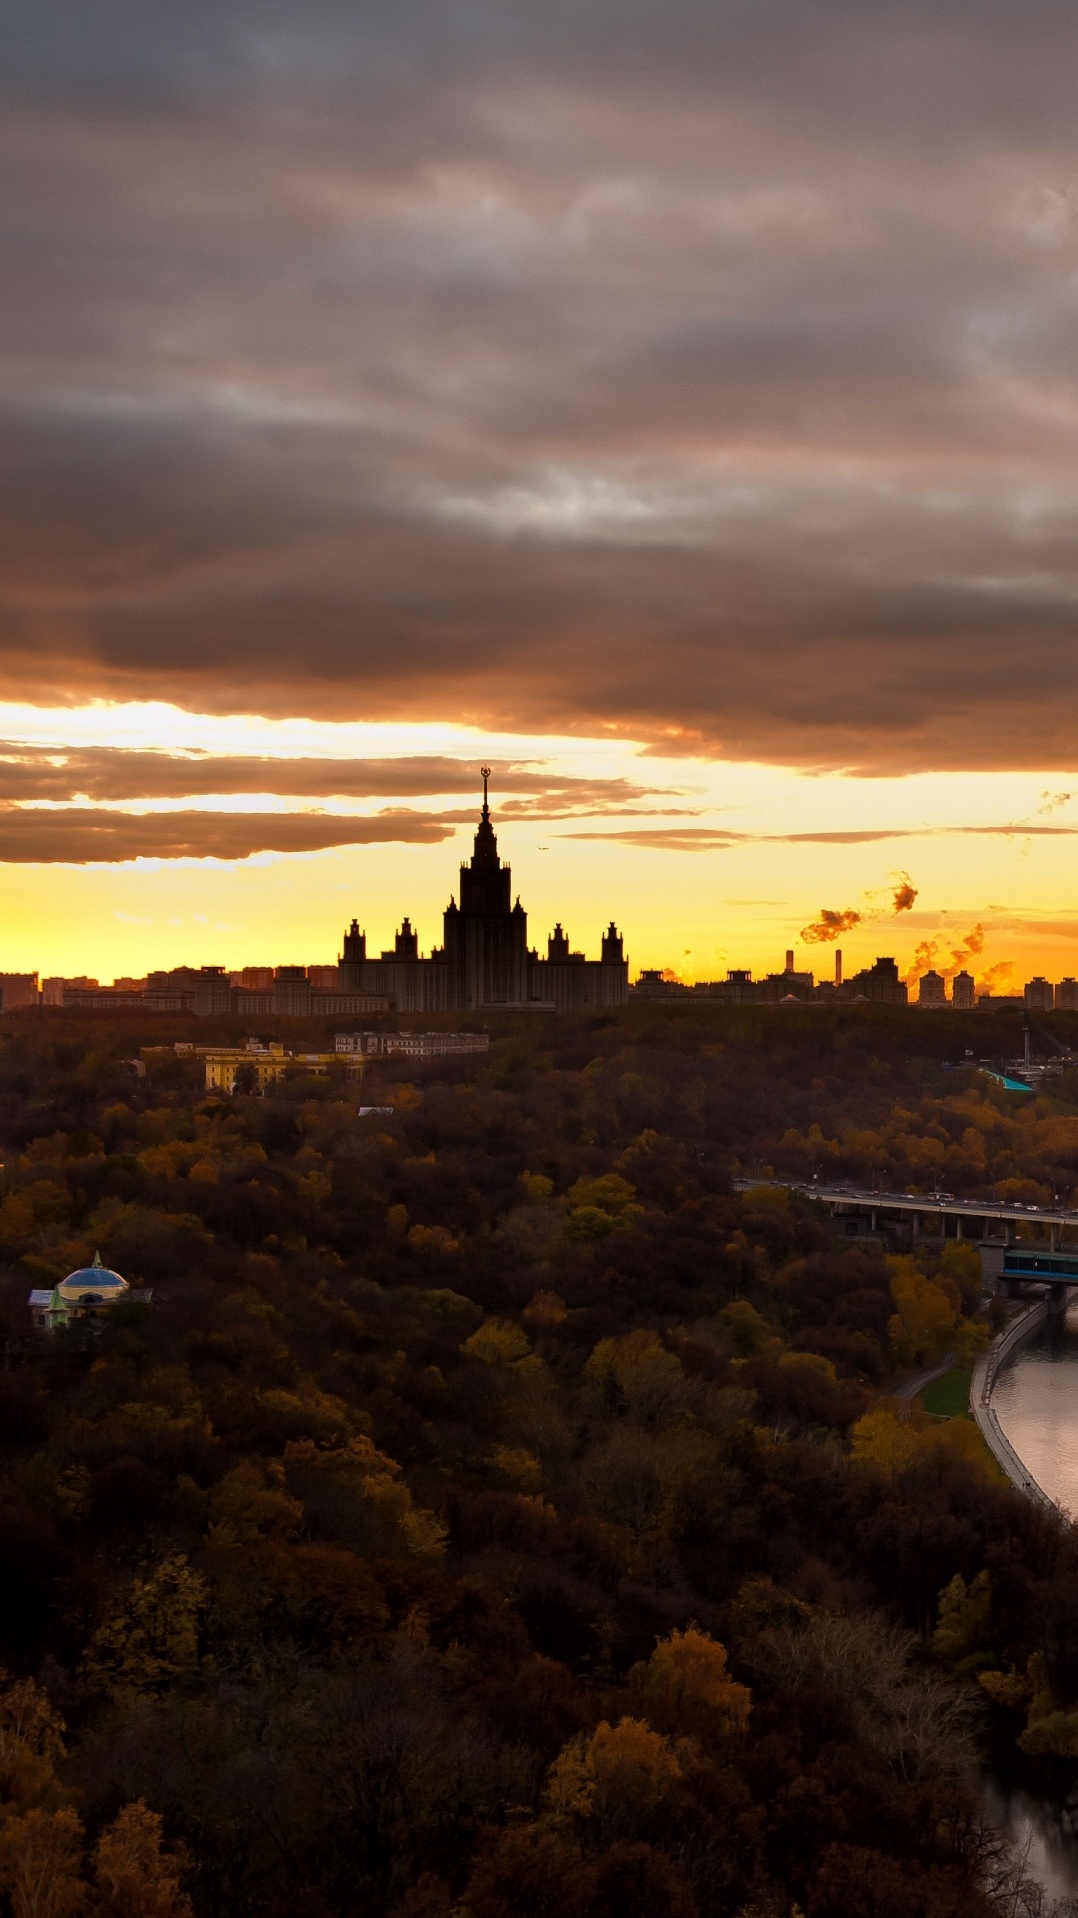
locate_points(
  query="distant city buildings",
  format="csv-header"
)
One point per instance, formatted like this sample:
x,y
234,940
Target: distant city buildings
x,y
411,1045
963,992
254,1066
18,989
877,984
932,989
485,964
484,961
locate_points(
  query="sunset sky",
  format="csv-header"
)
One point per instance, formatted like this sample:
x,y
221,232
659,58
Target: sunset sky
x,y
674,405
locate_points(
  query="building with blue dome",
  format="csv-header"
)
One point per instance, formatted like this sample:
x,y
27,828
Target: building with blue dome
x,y
88,1290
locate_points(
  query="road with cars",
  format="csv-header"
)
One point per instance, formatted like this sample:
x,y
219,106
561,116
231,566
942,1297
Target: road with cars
x,y
923,1204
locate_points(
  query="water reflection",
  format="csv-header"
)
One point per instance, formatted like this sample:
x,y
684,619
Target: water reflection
x,y
1036,1401
1043,1835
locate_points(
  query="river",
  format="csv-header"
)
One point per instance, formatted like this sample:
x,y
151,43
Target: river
x,y
1036,1401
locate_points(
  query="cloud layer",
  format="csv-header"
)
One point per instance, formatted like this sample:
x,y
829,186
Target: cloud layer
x,y
29,773
704,372
80,836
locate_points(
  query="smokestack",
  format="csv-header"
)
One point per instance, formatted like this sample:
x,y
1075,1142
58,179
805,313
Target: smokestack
x,y
789,959
838,965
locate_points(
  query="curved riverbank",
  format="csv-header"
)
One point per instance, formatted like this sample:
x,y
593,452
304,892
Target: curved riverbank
x,y
1028,1383
1033,1399
985,1373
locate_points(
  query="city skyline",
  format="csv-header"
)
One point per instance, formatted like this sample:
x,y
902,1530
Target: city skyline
x,y
485,962
689,434
748,860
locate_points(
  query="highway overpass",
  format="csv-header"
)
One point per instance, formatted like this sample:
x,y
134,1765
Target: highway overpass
x,y
929,1213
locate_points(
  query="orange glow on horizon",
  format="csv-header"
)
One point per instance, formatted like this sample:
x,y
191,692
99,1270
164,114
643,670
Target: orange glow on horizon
x,y
710,865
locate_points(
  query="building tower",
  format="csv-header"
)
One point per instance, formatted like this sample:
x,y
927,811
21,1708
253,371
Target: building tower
x,y
932,989
613,954
963,992
486,939
353,959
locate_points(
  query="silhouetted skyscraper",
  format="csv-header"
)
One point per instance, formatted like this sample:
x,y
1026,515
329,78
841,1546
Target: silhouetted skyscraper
x,y
485,961
486,939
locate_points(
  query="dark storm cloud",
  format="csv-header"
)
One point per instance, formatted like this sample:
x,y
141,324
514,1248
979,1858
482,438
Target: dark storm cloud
x,y
85,836
704,372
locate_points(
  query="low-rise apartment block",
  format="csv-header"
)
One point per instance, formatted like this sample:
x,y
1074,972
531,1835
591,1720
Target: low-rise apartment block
x,y
411,1045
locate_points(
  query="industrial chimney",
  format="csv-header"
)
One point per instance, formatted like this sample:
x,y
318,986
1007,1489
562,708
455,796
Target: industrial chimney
x,y
838,965
790,959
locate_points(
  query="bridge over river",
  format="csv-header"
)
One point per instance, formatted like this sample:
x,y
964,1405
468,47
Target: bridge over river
x,y
933,1214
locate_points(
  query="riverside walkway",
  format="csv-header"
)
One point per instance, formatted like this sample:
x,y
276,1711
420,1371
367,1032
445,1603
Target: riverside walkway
x,y
985,1371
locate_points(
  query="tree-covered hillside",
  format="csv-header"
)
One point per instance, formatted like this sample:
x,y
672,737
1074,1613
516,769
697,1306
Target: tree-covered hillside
x,y
492,1513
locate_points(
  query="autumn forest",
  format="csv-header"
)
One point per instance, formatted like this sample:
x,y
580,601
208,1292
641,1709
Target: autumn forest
x,y
486,1509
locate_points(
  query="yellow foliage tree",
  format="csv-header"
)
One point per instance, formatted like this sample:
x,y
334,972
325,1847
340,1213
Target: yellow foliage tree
x,y
589,1222
960,1439
745,1327
375,1478
964,1629
1005,1688
620,1773
610,1192
435,1240
133,1875
888,1436
971,1338
498,1342
40,1864
31,1746
546,1309
924,1318
639,1369
625,1359
962,1262
151,1638
252,1502
518,1467
685,1687
897,1434
315,1187
1053,1736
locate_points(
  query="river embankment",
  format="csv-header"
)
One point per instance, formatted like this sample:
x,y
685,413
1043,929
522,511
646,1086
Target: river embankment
x,y
986,1372
1024,1397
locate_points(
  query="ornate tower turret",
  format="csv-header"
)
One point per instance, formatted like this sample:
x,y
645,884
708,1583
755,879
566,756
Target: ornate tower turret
x,y
353,958
557,946
406,943
612,952
486,939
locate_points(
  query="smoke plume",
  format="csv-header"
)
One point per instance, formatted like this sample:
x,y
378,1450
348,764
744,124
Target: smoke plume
x,y
998,978
904,893
931,954
829,926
